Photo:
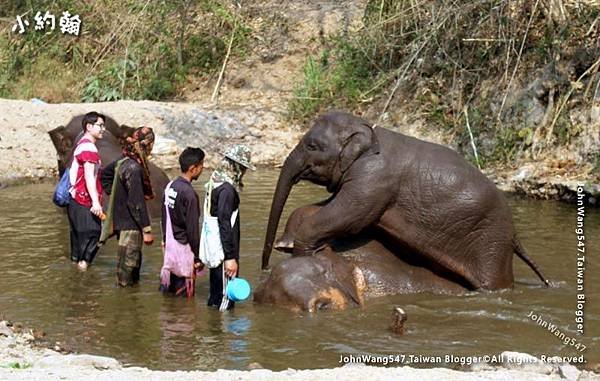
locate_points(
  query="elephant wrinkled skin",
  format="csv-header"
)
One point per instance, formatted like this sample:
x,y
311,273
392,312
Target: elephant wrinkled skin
x,y
422,197
109,148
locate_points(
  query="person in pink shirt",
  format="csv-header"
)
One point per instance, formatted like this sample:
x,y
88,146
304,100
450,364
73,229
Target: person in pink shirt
x,y
85,208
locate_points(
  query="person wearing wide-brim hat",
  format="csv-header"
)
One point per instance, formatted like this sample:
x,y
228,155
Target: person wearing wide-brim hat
x,y
221,206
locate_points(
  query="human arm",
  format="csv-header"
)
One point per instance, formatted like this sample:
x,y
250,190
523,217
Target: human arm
x,y
225,208
90,184
192,222
231,267
107,176
132,178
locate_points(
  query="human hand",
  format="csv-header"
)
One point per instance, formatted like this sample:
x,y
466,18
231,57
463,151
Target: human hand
x,y
96,209
231,267
148,238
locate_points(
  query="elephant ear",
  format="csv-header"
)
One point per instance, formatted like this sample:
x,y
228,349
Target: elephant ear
x,y
343,275
63,144
360,140
121,133
60,139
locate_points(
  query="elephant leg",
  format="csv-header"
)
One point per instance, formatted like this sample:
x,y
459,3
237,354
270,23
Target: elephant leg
x,y
394,225
485,263
285,243
347,213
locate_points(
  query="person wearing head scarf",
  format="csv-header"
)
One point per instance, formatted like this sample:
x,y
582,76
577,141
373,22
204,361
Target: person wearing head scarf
x,y
127,181
222,202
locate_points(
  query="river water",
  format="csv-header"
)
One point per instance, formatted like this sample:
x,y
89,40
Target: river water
x,y
42,288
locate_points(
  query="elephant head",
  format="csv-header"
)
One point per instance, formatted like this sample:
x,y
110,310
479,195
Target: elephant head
x,y
109,147
65,138
323,156
311,283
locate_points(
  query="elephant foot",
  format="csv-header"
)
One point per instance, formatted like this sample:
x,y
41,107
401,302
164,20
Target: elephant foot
x,y
399,317
284,244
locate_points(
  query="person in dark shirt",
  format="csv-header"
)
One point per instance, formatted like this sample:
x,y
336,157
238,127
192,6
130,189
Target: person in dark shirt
x,y
181,227
128,210
222,191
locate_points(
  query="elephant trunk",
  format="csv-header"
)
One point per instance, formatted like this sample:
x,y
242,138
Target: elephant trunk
x,y
288,176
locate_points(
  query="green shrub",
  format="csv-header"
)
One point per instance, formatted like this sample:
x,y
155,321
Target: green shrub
x,y
308,94
338,79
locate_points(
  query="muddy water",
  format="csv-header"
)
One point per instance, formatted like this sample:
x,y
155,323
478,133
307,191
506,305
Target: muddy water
x,y
41,288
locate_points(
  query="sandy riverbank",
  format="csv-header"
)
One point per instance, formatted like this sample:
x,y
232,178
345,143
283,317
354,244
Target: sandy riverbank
x,y
27,154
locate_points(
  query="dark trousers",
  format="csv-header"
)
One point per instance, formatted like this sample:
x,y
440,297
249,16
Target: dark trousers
x,y
177,286
84,231
217,281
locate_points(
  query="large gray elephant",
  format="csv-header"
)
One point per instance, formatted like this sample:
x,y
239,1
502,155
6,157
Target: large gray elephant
x,y
110,148
424,197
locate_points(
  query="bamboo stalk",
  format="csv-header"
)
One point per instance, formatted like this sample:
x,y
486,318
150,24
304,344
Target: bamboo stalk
x,y
104,50
215,94
401,77
487,39
566,98
471,137
410,61
518,59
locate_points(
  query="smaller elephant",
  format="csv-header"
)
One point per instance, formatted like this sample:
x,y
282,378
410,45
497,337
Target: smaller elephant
x,y
110,148
322,281
343,274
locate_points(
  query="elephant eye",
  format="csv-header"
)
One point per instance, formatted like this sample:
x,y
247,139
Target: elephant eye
x,y
321,305
312,147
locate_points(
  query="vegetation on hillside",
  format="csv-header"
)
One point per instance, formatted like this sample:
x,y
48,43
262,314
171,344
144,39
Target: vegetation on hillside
x,y
498,72
500,75
128,49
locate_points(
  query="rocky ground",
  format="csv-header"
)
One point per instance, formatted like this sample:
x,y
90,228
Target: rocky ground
x,y
22,356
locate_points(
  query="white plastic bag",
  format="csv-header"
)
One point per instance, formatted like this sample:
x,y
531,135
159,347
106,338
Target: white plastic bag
x,y
211,248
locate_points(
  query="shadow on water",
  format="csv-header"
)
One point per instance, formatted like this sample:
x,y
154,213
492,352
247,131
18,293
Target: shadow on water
x,y
139,326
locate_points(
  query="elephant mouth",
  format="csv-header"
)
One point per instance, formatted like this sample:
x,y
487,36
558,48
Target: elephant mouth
x,y
309,175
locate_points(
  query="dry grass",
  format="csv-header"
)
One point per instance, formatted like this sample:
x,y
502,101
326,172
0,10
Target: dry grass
x,y
494,58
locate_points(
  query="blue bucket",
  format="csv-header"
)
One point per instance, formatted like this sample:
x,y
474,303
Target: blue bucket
x,y
238,289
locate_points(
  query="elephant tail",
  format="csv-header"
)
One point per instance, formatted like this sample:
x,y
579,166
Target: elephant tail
x,y
520,250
